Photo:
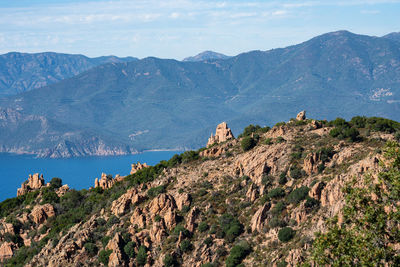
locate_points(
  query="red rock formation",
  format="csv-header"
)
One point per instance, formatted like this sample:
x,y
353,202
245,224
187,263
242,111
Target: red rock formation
x,y
138,166
222,134
34,182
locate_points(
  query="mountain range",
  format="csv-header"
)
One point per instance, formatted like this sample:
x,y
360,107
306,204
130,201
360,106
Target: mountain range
x,y
20,72
165,104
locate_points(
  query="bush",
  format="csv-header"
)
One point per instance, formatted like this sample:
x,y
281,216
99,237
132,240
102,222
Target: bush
x,y
276,222
298,194
105,240
169,261
268,141
282,178
237,254
231,227
280,139
112,220
186,246
278,208
203,226
311,203
104,255
296,172
286,234
267,180
141,257
179,228
276,193
155,191
248,143
281,264
91,249
129,249
249,130
49,196
208,241
56,182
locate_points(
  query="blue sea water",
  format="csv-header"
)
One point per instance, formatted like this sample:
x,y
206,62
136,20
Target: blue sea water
x,y
78,173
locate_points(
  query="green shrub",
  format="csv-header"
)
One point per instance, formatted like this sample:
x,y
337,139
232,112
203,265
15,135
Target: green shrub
x,y
281,264
276,193
280,139
296,172
267,180
104,255
278,208
230,226
282,178
248,143
186,246
208,265
298,194
237,254
203,226
155,191
91,249
49,196
169,261
157,218
268,141
105,240
249,130
286,234
56,182
141,257
358,121
311,203
129,249
276,222
208,241
179,228
112,220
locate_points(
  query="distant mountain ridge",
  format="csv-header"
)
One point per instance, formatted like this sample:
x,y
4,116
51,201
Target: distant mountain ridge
x,y
206,55
20,72
393,36
163,104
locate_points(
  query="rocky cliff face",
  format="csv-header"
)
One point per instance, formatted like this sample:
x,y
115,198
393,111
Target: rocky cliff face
x,y
262,207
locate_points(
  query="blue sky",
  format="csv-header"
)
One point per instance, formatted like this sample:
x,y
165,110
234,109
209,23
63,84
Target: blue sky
x,y
177,29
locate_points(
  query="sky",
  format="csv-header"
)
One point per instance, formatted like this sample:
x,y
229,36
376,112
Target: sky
x,y
182,28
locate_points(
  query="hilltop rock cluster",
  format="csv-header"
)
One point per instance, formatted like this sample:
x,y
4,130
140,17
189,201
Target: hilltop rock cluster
x,y
222,134
34,182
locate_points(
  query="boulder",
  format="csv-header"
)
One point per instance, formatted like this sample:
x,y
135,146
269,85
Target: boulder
x,y
6,250
191,219
252,193
115,244
311,163
301,116
182,200
316,190
124,202
138,166
258,219
33,183
164,205
222,134
138,218
41,213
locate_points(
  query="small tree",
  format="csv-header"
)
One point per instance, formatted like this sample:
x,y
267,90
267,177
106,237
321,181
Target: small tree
x,y
56,182
286,234
248,143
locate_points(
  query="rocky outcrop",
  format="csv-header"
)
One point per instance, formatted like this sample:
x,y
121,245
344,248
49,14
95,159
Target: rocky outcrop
x,y
257,221
316,190
252,193
7,250
105,182
301,116
311,163
191,219
115,244
33,183
138,218
164,205
183,200
124,202
62,190
138,166
40,214
222,134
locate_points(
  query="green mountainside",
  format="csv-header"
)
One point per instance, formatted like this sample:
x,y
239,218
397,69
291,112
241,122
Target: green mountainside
x,y
160,103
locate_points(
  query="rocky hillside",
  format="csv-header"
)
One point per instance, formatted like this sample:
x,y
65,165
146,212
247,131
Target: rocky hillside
x,y
302,192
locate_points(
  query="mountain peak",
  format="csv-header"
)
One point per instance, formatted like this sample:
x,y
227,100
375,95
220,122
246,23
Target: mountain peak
x,y
206,55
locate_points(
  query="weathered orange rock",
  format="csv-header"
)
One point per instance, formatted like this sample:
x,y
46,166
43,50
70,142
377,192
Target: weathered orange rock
x,y
105,181
311,163
138,218
222,134
41,213
258,219
301,116
7,250
252,193
316,190
124,202
191,218
115,244
34,182
138,166
165,206
182,200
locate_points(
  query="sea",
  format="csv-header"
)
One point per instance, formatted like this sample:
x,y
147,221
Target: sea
x,y
78,173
